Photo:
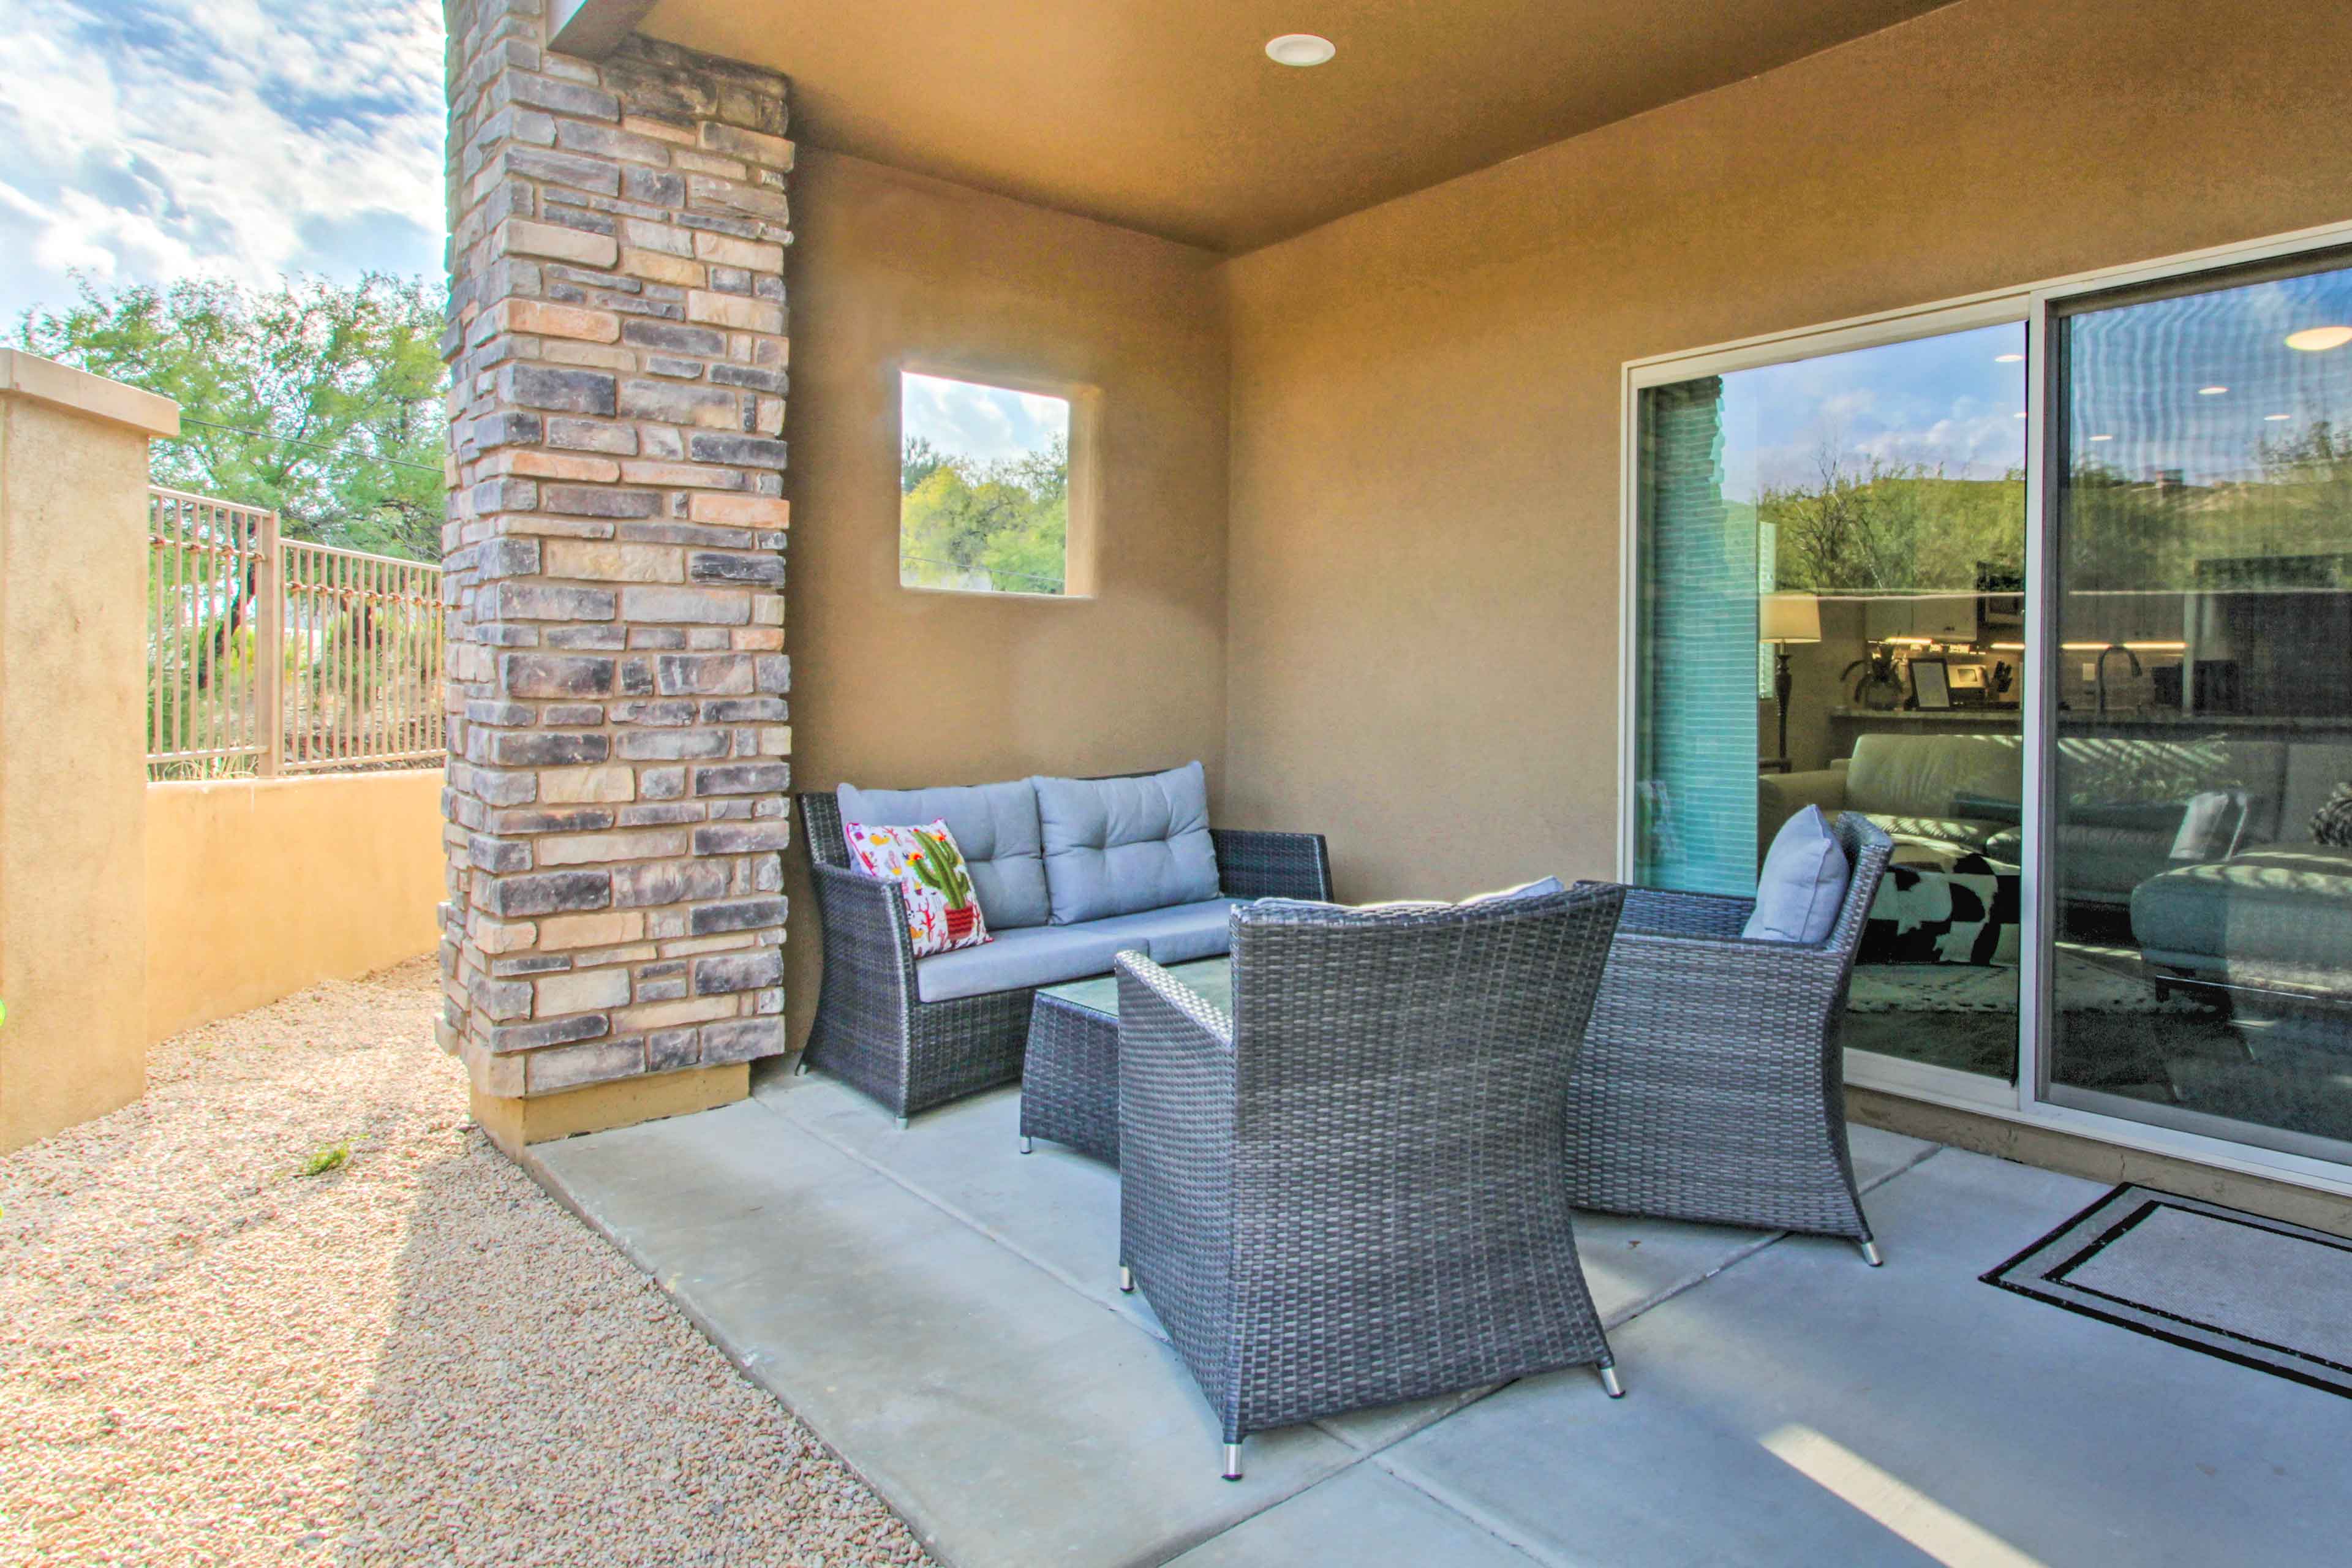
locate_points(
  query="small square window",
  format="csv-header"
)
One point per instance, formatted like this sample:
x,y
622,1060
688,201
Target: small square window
x,y
985,494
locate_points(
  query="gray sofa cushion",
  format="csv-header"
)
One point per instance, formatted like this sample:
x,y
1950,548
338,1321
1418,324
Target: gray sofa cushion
x,y
994,825
1178,935
1118,847
1027,955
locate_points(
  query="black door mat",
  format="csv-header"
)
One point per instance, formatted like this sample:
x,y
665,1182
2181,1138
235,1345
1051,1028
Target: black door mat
x,y
2259,1292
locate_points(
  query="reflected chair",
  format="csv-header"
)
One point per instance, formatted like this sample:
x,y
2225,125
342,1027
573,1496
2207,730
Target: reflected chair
x,y
1347,1193
1711,1085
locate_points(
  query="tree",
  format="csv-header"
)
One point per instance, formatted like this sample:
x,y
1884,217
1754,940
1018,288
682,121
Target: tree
x,y
1867,526
1004,525
324,402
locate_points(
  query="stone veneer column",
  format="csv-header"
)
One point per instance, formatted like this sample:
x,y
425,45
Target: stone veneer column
x,y
617,729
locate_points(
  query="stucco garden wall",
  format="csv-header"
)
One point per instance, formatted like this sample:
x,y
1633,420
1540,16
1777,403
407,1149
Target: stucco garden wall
x,y
258,888
73,556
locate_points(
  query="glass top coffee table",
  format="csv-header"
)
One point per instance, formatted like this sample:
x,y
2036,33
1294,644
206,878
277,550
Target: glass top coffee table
x,y
1069,1079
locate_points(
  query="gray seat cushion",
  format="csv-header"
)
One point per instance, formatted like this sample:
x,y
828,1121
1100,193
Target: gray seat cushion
x,y
1025,956
1118,846
1178,935
995,825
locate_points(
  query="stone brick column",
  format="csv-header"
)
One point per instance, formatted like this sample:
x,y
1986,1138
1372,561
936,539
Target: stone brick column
x,y
618,721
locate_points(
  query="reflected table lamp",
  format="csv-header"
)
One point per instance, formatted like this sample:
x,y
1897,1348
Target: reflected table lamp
x,y
1782,619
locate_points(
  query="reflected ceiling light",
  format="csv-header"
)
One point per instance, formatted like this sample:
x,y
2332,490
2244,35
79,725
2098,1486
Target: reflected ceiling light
x,y
2008,358
2278,415
1299,49
2021,413
2318,339
2212,391
2102,437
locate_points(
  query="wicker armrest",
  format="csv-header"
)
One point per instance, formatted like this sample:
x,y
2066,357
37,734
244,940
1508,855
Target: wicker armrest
x,y
1662,963
1153,991
1178,1112
1658,912
865,927
1254,864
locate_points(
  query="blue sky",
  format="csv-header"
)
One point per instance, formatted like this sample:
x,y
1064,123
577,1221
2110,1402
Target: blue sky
x,y
1950,402
965,419
244,139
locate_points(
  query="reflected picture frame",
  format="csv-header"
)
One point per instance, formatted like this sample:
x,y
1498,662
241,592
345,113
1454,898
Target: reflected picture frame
x,y
1931,684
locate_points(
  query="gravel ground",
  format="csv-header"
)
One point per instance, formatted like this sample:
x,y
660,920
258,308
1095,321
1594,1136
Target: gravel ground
x,y
208,1356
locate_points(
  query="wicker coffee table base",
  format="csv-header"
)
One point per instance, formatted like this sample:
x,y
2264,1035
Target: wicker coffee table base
x,y
1069,1082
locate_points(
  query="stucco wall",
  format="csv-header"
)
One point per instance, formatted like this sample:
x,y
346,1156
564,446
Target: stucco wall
x,y
257,888
892,687
1426,395
73,495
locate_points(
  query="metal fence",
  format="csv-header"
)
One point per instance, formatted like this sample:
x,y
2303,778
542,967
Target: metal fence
x,y
268,655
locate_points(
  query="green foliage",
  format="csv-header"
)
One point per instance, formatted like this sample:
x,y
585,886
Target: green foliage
x,y
1866,526
328,1159
1869,526
919,462
940,870
2285,529
322,401
1006,522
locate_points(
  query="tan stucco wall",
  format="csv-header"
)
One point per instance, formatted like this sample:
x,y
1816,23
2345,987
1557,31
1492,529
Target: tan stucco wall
x,y
73,559
1426,395
258,887
897,687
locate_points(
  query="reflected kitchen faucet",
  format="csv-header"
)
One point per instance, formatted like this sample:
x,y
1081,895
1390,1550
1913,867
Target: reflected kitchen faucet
x,y
2112,647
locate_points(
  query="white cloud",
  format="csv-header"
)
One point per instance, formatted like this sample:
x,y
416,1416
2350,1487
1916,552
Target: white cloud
x,y
152,141
988,423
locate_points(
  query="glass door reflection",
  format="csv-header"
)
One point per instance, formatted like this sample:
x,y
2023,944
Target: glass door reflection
x,y
2200,771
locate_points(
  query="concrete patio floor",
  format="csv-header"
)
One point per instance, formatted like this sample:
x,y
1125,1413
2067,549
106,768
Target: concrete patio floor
x,y
944,1313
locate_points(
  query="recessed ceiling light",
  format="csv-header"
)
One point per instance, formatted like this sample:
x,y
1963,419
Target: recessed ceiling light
x,y
2021,413
2007,359
2278,415
1299,49
2102,437
2212,391
2316,339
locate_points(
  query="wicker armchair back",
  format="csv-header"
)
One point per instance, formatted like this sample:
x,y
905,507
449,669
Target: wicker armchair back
x,y
1711,1086
1348,1193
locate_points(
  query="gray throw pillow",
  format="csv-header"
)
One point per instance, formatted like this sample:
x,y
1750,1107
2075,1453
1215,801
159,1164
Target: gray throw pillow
x,y
1802,884
1118,846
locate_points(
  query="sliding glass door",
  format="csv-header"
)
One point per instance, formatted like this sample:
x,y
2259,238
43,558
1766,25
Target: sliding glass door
x,y
2199,767
2086,656
1830,560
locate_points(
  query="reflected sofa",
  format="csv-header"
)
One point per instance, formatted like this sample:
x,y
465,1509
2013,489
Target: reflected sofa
x,y
2126,798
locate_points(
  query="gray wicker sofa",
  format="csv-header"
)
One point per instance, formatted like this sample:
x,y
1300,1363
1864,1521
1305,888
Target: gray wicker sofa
x,y
1063,892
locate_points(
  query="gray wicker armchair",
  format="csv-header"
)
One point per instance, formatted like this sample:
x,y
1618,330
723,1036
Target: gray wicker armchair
x,y
1348,1193
872,1029
1711,1086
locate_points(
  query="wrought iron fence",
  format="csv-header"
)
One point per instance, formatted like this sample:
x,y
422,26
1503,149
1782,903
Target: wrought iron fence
x,y
268,655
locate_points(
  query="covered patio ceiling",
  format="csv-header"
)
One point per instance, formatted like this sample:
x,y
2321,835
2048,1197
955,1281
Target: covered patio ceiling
x,y
1167,116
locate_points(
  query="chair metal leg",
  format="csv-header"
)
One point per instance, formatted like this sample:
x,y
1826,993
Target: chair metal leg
x,y
1609,1384
1027,1146
902,1124
1870,1254
1126,1280
800,1067
1233,1461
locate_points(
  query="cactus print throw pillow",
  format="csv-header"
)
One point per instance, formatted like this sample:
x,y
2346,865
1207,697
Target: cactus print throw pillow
x,y
942,913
